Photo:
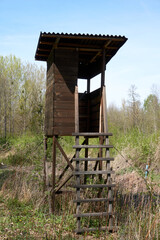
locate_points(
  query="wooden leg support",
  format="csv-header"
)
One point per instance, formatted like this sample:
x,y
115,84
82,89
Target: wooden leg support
x,y
53,175
45,165
86,162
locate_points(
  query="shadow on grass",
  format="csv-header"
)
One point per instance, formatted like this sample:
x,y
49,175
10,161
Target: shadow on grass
x,y
4,174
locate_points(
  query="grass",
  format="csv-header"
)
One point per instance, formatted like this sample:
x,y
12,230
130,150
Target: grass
x,y
21,221
27,149
137,218
144,144
24,207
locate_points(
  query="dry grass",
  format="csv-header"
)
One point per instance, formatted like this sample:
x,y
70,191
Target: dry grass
x,y
137,215
137,208
24,184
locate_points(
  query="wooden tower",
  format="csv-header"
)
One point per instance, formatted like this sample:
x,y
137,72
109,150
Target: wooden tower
x,y
71,57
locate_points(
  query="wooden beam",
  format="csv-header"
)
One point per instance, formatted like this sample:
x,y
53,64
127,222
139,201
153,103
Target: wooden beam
x,y
42,55
77,154
93,200
103,69
92,146
105,110
62,46
63,153
71,160
93,59
96,134
76,110
94,186
94,159
63,183
88,85
51,43
93,172
101,51
107,43
56,42
89,51
95,214
79,45
44,50
46,43
53,175
86,162
45,177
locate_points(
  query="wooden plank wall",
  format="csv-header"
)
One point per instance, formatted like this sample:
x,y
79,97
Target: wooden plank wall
x,y
83,112
89,107
95,98
60,111
48,129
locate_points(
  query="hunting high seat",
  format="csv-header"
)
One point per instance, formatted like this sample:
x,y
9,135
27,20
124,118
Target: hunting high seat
x,y
71,57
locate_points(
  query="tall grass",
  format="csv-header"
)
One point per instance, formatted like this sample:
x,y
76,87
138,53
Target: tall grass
x,y
26,149
138,216
25,206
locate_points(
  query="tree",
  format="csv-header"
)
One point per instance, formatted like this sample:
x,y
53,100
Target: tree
x,y
134,106
21,96
31,101
152,111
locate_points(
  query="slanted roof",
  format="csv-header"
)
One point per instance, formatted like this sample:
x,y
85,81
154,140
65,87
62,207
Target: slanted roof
x,y
90,49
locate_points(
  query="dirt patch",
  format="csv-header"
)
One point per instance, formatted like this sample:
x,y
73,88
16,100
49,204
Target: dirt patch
x,y
129,179
5,154
130,182
121,162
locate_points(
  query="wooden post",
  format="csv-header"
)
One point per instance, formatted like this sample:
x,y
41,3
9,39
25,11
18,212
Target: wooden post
x,y
53,175
109,179
76,110
86,162
105,124
88,85
101,138
46,180
105,110
88,128
77,155
45,165
103,68
101,127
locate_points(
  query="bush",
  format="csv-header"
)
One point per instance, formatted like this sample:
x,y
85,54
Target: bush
x,y
27,149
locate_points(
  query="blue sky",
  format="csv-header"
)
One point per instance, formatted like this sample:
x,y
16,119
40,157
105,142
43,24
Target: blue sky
x,y
137,62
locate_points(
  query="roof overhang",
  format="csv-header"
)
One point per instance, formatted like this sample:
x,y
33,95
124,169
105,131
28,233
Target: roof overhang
x,y
90,48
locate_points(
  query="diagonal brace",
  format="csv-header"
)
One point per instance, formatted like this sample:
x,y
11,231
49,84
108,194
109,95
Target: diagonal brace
x,y
63,153
63,183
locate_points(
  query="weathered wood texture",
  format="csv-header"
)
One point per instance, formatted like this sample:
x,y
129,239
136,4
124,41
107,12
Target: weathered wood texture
x,y
89,116
62,72
61,80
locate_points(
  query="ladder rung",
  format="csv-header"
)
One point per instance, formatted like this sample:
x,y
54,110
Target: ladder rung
x,y
95,214
95,186
93,200
96,134
93,159
83,116
92,172
82,230
93,146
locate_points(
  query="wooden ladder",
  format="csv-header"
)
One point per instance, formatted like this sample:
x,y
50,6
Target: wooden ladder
x,y
107,184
